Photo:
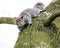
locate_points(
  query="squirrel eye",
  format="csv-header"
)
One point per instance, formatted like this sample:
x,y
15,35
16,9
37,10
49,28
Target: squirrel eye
x,y
19,20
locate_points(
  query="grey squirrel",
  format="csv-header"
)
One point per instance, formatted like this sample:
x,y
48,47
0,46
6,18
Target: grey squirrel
x,y
27,15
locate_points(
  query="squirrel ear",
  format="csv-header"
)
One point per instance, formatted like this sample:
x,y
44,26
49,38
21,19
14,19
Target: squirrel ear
x,y
21,17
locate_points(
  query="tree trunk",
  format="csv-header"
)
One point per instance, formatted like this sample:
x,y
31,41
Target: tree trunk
x,y
37,35
51,18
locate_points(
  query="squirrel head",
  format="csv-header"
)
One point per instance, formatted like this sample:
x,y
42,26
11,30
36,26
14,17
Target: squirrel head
x,y
19,21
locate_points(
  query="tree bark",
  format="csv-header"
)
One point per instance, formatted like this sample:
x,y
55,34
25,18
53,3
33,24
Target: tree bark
x,y
51,19
7,20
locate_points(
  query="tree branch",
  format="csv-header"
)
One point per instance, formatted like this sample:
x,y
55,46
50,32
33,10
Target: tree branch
x,y
7,20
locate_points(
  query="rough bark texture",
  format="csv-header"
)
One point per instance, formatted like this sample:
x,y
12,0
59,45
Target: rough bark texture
x,y
7,20
51,18
39,36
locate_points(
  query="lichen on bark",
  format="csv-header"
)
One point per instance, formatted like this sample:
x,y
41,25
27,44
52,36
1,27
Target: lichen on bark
x,y
39,36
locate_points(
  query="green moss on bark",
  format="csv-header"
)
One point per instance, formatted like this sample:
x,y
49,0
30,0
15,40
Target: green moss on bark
x,y
7,20
39,36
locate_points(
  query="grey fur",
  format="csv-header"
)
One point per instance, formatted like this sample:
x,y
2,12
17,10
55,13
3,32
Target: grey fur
x,y
28,14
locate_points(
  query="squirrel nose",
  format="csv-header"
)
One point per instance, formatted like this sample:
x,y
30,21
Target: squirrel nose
x,y
17,22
